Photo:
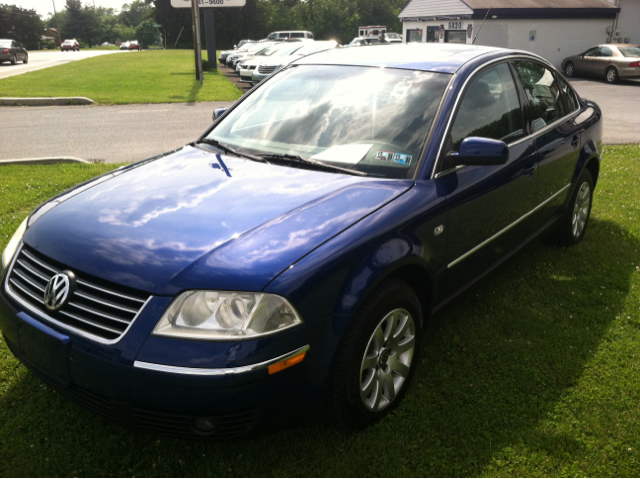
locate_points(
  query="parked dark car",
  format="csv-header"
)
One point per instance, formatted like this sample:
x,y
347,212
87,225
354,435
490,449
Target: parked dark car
x,y
291,255
610,61
13,52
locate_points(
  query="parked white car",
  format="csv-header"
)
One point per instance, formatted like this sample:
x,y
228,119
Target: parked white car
x,y
247,65
273,65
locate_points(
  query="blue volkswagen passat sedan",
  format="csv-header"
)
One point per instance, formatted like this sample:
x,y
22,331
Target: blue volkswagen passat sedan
x,y
291,255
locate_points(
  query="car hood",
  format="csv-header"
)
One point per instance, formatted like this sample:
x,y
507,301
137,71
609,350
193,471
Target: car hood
x,y
196,219
277,61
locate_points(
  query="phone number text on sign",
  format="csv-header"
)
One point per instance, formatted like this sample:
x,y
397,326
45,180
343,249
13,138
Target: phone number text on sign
x,y
209,3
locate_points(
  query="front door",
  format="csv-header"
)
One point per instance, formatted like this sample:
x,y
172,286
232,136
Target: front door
x,y
487,205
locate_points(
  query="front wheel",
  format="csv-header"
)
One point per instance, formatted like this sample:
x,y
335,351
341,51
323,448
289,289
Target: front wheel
x,y
14,60
26,59
611,75
574,222
378,356
569,69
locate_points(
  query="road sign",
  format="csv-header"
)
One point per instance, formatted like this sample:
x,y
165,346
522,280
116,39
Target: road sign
x,y
209,3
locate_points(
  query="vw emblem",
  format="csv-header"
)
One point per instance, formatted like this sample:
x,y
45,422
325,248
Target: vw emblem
x,y
58,290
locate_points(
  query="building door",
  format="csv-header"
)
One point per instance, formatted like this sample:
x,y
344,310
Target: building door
x,y
432,34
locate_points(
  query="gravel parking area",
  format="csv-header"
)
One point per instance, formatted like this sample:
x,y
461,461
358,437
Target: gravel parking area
x,y
618,103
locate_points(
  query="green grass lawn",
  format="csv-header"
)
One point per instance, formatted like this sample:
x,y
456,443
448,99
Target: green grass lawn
x,y
535,372
159,76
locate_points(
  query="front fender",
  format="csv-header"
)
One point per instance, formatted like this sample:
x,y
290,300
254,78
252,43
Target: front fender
x,y
335,278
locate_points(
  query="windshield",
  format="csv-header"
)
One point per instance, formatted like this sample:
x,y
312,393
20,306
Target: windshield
x,y
630,51
373,120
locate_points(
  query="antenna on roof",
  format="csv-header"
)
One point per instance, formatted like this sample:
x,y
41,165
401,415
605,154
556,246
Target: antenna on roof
x,y
485,17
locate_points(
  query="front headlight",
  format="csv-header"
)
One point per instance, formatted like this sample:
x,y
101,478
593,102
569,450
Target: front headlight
x,y
224,315
13,244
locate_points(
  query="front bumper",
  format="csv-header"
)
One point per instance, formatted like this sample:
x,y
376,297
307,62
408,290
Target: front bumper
x,y
258,77
167,386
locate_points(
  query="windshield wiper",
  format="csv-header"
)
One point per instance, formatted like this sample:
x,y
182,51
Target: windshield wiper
x,y
228,149
309,161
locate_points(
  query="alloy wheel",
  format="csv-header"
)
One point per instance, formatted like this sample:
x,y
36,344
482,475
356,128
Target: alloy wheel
x,y
387,360
569,69
581,209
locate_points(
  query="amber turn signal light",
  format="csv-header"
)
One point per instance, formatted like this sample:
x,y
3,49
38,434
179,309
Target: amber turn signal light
x,y
287,363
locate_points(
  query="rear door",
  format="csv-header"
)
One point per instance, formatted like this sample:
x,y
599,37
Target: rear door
x,y
487,205
600,64
552,106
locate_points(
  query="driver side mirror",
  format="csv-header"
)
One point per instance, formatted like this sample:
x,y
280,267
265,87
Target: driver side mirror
x,y
218,112
480,152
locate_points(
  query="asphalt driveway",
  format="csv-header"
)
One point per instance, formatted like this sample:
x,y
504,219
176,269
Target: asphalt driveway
x,y
619,104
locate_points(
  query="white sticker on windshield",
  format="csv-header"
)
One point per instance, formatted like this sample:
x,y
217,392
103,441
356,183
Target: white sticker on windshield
x,y
350,154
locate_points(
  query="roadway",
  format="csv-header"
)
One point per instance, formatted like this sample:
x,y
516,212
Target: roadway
x,y
122,133
48,58
134,132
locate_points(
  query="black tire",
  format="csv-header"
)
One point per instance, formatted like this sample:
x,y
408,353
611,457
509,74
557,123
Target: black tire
x,y
570,69
611,75
26,59
362,359
14,60
575,220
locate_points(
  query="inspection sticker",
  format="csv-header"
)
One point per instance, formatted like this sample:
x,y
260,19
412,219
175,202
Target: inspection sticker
x,y
385,155
401,158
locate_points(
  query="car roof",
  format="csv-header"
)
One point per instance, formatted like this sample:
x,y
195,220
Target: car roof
x,y
445,58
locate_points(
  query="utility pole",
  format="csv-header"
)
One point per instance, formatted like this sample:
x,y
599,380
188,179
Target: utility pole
x,y
195,16
210,35
57,22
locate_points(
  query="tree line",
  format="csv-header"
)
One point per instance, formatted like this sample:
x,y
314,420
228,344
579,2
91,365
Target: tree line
x,y
327,19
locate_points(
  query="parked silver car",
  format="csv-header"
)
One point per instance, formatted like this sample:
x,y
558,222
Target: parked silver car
x,y
13,52
249,49
242,44
270,66
609,61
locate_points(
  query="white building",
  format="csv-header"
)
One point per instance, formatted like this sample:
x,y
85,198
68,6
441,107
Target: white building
x,y
553,29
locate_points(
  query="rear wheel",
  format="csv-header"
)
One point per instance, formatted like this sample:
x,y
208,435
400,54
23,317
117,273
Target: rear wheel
x,y
611,75
378,356
26,59
569,69
574,223
14,60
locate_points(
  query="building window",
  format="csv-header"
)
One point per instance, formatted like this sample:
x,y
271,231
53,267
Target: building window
x,y
455,36
414,36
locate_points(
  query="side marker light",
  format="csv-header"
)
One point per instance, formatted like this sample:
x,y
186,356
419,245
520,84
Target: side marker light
x,y
287,363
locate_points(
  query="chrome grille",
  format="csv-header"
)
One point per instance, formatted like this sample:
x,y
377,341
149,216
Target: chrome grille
x,y
266,69
98,308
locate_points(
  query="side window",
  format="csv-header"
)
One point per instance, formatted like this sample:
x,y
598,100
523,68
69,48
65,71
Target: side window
x,y
309,35
542,92
284,35
567,94
490,108
297,35
272,36
605,52
592,52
